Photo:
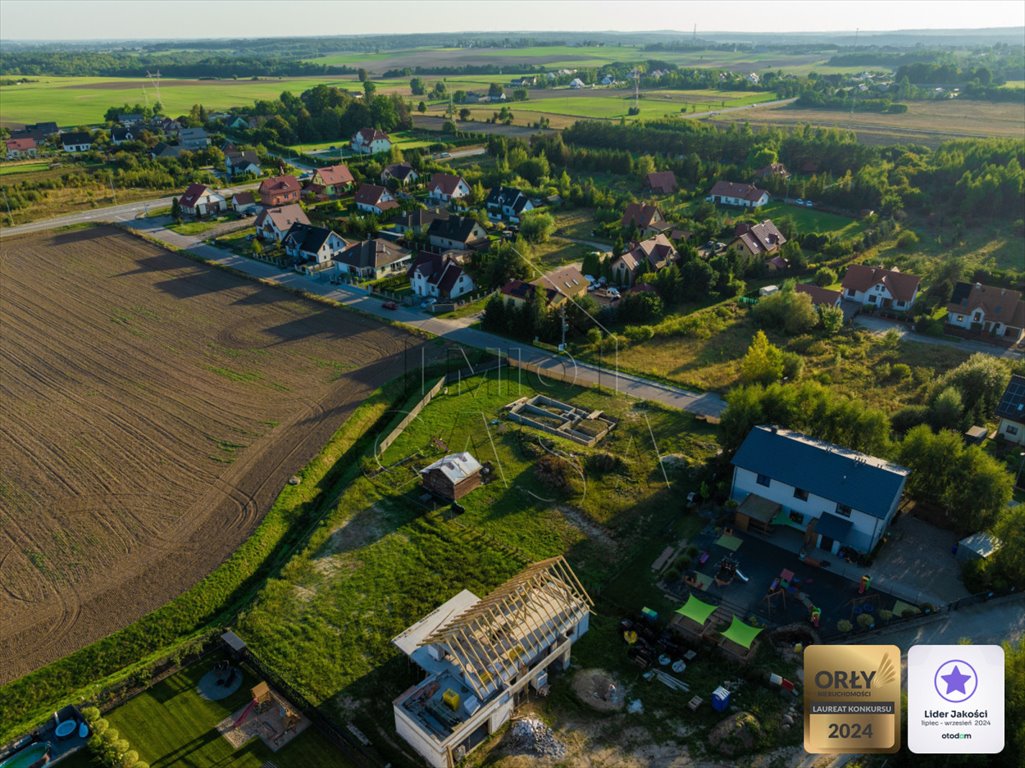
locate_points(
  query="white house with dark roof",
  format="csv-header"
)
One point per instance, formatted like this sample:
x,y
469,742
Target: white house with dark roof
x,y
374,258
370,141
507,203
309,245
740,195
439,276
1011,411
836,497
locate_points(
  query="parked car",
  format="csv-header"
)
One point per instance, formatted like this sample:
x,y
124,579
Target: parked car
x,y
798,201
808,204
390,305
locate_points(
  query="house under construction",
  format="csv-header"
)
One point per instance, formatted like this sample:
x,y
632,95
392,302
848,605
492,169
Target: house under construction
x,y
480,654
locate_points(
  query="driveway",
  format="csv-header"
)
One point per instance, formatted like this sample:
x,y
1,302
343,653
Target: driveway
x,y
918,559
452,329
878,325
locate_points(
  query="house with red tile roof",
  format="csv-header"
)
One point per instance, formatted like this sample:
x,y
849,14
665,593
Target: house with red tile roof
x,y
331,181
19,148
740,195
243,202
280,190
881,288
999,312
773,170
662,182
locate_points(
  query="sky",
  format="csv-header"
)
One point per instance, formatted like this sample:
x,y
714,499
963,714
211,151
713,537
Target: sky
x,y
193,19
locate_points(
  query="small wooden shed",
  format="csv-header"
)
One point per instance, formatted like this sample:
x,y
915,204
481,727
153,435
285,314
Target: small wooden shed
x,y
453,476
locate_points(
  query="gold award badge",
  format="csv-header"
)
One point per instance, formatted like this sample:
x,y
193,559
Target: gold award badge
x,y
851,699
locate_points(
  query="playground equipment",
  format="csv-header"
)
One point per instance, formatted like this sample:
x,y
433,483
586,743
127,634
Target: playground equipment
x,y
866,582
726,571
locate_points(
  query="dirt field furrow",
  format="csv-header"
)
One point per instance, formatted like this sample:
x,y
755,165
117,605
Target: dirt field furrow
x,y
151,409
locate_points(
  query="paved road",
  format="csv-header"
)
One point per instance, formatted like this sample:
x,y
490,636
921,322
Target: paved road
x,y
109,214
879,325
759,105
455,330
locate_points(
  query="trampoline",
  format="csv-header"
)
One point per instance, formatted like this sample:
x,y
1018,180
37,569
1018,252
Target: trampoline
x,y
219,683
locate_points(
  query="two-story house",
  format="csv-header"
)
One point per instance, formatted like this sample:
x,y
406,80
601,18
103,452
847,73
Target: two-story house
x,y
401,173
507,203
193,139
310,245
757,241
20,148
446,187
999,312
280,190
273,223
76,141
371,259
834,496
241,162
878,287
331,181
370,141
1011,411
738,195
478,656
456,233
649,255
648,219
373,198
200,200
439,276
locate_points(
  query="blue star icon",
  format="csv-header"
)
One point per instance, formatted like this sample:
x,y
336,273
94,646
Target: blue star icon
x,y
955,681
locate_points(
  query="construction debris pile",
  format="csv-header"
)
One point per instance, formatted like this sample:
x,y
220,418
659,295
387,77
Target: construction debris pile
x,y
532,737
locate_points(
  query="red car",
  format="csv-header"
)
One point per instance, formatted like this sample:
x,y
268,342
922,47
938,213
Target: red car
x,y
390,305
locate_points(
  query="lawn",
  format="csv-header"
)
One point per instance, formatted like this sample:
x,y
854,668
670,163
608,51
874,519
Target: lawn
x,y
401,139
171,725
812,220
383,561
200,226
84,100
11,170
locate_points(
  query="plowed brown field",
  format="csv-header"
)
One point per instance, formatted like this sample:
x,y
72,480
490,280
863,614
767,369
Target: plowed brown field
x,y
150,411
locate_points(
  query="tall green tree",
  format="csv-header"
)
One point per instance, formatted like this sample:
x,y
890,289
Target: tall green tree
x,y
763,362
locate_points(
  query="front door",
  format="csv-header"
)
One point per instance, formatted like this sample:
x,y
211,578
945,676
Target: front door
x,y
826,543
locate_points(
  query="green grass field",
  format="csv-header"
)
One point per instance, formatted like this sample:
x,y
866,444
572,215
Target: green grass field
x,y
11,170
401,139
84,100
171,725
811,220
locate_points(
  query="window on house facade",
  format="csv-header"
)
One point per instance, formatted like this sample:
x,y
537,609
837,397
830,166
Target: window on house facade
x,y
872,299
800,493
843,509
797,517
764,480
1011,430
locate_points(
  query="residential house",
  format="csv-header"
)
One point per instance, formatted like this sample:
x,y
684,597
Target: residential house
x,y
419,221
280,190
773,171
370,141
457,233
649,255
446,187
742,195
439,276
452,476
243,203
777,263
193,139
1000,312
1011,411
274,223
199,200
164,151
76,141
662,182
131,119
18,149
647,218
309,245
607,80
120,135
820,297
38,132
507,203
239,124
478,657
518,292
241,162
373,198
878,287
568,283
331,181
834,496
758,240
166,125
576,82
403,174
374,258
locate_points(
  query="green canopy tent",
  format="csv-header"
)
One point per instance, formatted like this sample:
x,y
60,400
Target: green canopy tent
x,y
696,610
740,633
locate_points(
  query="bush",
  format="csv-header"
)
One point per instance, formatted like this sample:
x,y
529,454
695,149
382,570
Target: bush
x,y
636,333
908,417
865,620
844,626
825,276
907,240
900,371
